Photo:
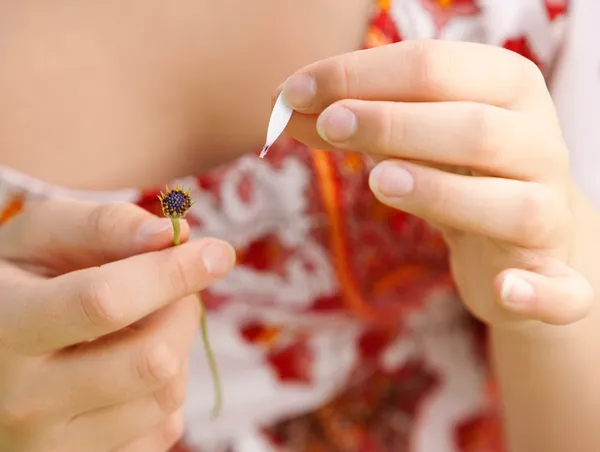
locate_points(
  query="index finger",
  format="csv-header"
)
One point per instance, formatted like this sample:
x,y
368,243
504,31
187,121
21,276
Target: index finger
x,y
63,235
417,71
86,304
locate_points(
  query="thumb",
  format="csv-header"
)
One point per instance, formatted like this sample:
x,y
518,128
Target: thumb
x,y
64,235
560,299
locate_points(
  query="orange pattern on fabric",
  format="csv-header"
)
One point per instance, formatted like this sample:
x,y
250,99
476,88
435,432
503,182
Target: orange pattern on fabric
x,y
382,32
339,246
12,207
399,276
383,5
445,3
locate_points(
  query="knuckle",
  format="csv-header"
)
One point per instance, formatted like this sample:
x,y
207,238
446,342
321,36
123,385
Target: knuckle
x,y
391,130
104,219
434,198
98,302
430,67
485,134
172,429
542,215
346,68
157,365
180,280
171,397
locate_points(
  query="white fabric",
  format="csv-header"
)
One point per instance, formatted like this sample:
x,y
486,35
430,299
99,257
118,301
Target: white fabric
x,y
576,92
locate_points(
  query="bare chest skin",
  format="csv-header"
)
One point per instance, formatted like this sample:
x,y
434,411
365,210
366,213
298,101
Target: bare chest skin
x,y
120,93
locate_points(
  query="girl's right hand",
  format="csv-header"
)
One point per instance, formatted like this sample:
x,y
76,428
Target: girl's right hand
x,y
97,315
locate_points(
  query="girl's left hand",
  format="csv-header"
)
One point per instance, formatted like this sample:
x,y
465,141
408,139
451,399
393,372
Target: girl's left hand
x,y
473,145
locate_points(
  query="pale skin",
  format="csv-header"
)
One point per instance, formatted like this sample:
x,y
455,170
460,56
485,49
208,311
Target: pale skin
x,y
522,237
154,101
124,391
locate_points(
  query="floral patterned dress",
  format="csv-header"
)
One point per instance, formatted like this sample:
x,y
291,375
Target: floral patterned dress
x,y
339,329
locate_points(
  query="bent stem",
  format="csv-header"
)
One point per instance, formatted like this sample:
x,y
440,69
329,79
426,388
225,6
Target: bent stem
x,y
212,362
210,356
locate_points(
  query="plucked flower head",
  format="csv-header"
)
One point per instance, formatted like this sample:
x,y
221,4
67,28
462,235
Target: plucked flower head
x,y
175,203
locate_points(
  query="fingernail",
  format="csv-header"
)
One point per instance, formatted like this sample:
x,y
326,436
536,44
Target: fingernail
x,y
516,292
337,124
155,227
217,257
299,90
391,180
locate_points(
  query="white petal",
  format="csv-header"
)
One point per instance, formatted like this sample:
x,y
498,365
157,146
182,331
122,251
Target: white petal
x,y
279,120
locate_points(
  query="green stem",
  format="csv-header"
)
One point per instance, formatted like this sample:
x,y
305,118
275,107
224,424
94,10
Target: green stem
x,y
210,355
176,231
212,362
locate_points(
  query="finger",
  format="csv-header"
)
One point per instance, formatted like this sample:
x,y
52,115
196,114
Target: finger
x,y
522,213
69,309
160,439
481,137
65,235
111,371
117,425
126,365
420,71
557,300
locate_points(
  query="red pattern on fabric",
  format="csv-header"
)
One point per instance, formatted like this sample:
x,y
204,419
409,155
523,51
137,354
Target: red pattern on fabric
x,y
265,253
379,262
556,8
373,343
384,24
293,363
181,447
328,303
373,414
382,263
521,46
258,333
480,434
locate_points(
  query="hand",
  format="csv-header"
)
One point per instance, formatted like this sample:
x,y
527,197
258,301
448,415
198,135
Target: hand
x,y
94,344
473,145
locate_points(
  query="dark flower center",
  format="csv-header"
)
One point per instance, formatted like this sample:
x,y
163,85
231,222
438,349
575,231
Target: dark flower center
x,y
176,203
